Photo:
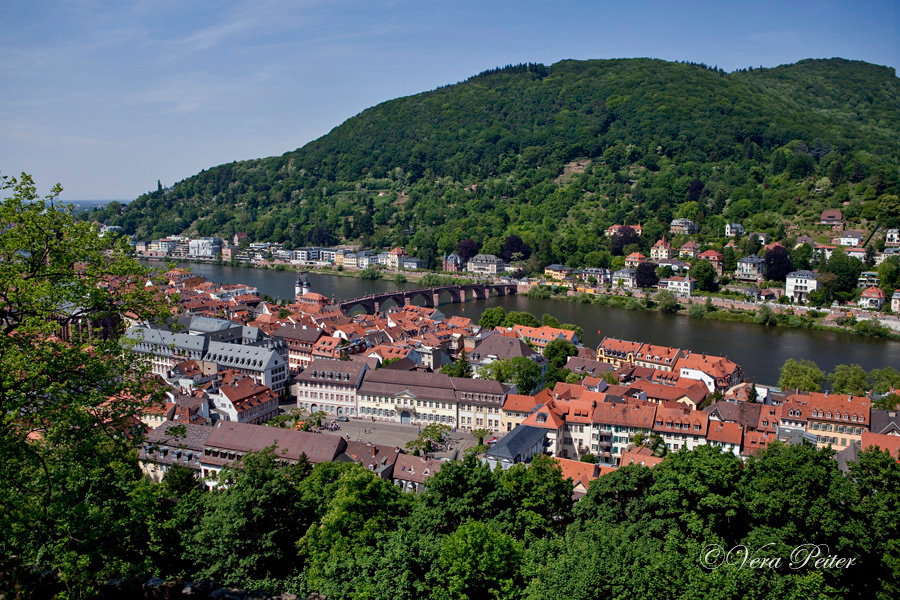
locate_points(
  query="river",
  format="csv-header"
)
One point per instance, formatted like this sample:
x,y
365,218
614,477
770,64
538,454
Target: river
x,y
759,350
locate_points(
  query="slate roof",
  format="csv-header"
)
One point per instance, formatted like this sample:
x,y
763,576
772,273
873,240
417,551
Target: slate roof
x,y
515,444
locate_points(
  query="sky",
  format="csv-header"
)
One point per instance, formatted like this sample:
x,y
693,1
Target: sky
x,y
109,97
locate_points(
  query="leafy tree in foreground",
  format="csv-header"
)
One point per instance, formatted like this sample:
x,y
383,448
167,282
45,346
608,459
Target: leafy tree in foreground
x,y
68,393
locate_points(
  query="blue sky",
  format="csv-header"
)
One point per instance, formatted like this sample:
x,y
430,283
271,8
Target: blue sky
x,y
109,97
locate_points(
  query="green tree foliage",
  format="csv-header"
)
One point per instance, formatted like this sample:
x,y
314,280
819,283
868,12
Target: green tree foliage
x,y
515,317
477,561
849,379
430,435
888,402
247,531
646,155
802,375
846,272
667,302
885,379
492,317
765,316
558,351
705,274
69,393
523,372
459,367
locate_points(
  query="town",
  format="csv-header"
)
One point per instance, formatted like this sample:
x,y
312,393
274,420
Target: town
x,y
233,365
855,270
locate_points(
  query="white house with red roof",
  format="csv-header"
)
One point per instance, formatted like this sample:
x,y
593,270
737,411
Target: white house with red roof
x,y
242,400
662,250
716,372
872,298
725,435
634,259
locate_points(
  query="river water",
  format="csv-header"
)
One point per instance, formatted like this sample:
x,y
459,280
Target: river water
x,y
759,350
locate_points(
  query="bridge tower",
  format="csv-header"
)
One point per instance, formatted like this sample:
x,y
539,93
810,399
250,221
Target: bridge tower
x,y
301,287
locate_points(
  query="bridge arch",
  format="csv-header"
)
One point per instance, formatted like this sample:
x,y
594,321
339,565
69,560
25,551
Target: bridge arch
x,y
427,297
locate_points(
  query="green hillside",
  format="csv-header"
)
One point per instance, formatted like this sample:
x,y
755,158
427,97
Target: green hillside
x,y
557,154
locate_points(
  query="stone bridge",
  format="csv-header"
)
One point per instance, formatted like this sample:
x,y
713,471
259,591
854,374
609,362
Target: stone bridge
x,y
431,297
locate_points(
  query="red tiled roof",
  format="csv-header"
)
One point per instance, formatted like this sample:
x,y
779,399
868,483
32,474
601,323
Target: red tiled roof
x,y
640,455
727,433
889,443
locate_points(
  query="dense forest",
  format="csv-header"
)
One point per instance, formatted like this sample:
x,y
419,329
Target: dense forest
x,y
557,154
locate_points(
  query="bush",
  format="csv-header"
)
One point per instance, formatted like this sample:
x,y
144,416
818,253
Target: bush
x,y
539,292
400,278
698,311
872,328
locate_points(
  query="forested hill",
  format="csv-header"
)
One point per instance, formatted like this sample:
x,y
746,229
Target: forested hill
x,y
556,154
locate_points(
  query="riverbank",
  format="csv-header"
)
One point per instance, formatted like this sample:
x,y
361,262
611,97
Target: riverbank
x,y
388,275
766,315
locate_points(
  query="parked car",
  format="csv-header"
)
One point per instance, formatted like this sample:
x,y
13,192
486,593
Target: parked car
x,y
342,419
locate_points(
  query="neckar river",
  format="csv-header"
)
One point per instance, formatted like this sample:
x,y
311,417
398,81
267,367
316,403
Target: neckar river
x,y
759,350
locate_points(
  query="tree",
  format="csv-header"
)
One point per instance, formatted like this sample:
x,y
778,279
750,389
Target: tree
x,y
514,249
705,274
624,236
467,248
845,269
645,275
558,351
610,377
70,391
804,375
884,380
549,321
778,263
801,256
849,379
479,434
888,402
667,301
179,480
458,368
521,371
259,517
492,317
800,166
515,317
889,274
765,316
430,435
477,561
